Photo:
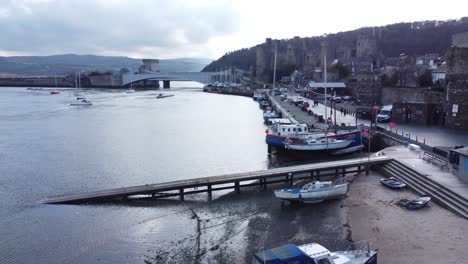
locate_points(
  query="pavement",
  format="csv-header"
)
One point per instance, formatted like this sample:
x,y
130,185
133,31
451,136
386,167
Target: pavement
x,y
412,160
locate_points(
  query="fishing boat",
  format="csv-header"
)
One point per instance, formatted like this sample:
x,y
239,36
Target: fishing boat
x,y
282,128
393,183
130,91
417,203
258,96
314,192
269,115
316,142
315,253
264,104
81,101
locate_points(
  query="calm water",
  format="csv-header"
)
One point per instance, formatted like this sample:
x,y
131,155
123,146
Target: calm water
x,y
48,148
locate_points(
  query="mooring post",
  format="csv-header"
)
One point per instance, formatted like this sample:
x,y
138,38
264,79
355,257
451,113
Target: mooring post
x,y
181,193
291,176
210,196
317,175
264,184
312,175
359,169
344,172
237,187
367,169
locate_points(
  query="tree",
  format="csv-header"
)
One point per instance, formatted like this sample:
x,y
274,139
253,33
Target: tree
x,y
124,70
425,79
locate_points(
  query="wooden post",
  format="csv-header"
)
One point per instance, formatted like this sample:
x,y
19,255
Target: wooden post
x,y
367,169
237,187
264,184
359,169
336,173
344,172
312,175
318,175
210,195
291,178
181,193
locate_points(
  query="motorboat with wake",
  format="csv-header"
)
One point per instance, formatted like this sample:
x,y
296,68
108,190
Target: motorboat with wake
x,y
315,253
81,101
314,192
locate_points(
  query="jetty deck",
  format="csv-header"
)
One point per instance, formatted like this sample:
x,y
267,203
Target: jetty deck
x,y
230,181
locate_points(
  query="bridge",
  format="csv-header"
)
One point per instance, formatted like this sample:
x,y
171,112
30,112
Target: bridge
x,y
166,77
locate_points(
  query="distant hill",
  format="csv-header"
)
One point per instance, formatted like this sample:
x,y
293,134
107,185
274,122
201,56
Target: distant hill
x,y
69,63
416,38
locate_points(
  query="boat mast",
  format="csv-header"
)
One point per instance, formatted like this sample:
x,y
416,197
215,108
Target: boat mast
x,y
274,70
55,75
76,82
325,86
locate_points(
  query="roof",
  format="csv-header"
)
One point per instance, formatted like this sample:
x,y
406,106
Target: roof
x,y
329,85
462,151
288,253
280,120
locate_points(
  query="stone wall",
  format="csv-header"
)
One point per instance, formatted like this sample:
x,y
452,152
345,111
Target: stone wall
x,y
457,88
460,40
106,80
391,95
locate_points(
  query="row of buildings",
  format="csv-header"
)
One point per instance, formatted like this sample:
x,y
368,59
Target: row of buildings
x,y
429,89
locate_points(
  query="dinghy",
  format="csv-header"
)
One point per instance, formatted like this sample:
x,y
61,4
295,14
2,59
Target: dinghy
x,y
314,192
393,183
418,203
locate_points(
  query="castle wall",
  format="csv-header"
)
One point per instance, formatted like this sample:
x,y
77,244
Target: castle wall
x,y
460,40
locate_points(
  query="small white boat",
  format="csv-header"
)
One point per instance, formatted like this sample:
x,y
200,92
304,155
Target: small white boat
x,y
314,192
317,143
160,96
130,91
316,253
81,101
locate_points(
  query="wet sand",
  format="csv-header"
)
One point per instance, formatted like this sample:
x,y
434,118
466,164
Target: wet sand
x,y
233,227
429,235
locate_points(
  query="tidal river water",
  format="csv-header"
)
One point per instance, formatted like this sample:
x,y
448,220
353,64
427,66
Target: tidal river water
x,y
49,148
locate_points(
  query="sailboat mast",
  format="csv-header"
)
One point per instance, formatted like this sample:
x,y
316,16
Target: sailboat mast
x,y
55,75
325,86
274,70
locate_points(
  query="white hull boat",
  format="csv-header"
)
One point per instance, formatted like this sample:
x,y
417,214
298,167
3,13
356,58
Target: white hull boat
x,y
130,91
317,143
80,101
314,192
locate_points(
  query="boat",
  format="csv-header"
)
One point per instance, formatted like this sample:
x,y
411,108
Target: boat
x,y
268,115
314,192
258,96
418,203
130,91
81,101
314,253
264,104
316,142
160,96
393,183
54,92
278,133
347,150
34,89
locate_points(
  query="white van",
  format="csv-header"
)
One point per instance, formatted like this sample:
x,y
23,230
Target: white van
x,y
385,114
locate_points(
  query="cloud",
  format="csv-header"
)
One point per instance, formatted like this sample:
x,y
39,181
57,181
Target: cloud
x,y
160,28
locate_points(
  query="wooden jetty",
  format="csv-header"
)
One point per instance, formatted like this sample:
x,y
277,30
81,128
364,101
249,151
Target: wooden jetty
x,y
230,181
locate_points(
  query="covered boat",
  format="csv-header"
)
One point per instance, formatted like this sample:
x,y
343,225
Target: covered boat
x,y
314,192
314,253
393,183
268,115
418,203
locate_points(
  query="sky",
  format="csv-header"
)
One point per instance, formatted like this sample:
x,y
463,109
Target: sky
x,y
165,29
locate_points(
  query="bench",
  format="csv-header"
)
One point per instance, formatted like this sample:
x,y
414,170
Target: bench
x,y
435,160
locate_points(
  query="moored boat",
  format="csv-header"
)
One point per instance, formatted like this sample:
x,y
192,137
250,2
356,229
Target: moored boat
x,y
393,183
314,192
314,253
316,142
54,92
417,203
81,101
269,115
160,96
130,91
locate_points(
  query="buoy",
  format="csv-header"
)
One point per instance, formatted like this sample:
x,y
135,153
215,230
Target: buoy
x,y
267,131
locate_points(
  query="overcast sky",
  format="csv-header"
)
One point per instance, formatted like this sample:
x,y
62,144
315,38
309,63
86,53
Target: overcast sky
x,y
192,28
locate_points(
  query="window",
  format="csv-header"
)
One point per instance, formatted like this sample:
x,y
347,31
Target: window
x,y
284,129
299,129
294,129
289,130
323,261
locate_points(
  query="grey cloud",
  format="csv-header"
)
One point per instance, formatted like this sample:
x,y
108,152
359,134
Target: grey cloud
x,y
97,26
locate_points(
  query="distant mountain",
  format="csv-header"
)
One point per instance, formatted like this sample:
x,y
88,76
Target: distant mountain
x,y
69,63
414,38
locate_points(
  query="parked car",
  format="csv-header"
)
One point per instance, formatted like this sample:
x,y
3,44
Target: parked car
x,y
385,114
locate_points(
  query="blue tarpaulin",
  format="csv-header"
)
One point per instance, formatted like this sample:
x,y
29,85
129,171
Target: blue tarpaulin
x,y
288,253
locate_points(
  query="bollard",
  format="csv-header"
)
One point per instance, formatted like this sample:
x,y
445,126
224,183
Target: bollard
x,y
416,138
424,141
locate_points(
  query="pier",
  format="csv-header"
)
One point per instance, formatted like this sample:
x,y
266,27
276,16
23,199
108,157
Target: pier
x,y
230,181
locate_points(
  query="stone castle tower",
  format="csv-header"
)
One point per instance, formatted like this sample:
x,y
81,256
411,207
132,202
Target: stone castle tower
x,y
366,47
